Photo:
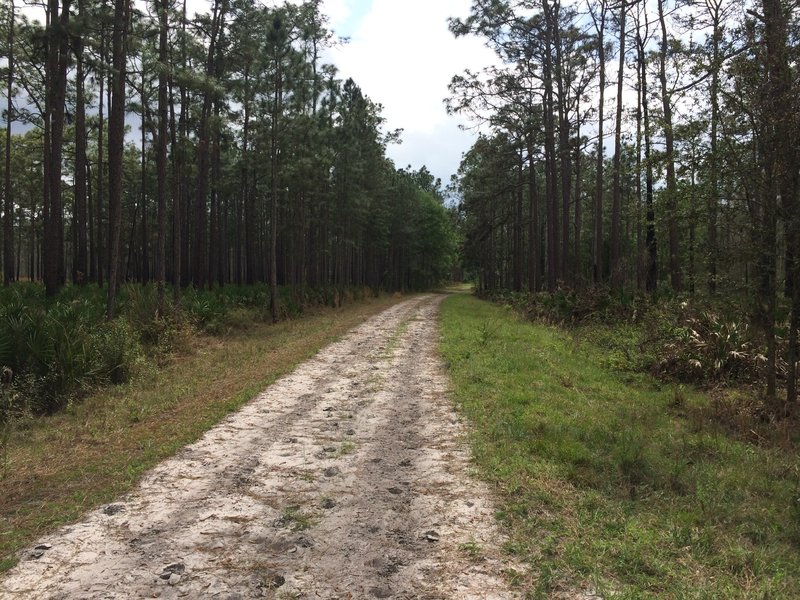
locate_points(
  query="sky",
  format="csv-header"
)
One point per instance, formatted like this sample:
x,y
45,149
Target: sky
x,y
402,55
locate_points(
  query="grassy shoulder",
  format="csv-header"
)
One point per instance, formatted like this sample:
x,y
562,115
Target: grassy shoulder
x,y
55,468
608,481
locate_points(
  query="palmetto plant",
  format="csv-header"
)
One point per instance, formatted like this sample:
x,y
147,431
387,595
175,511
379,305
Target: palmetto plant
x,y
711,348
51,351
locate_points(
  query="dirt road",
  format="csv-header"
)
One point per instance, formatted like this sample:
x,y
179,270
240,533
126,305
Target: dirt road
x,y
348,478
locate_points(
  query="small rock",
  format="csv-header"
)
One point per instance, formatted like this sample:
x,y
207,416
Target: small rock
x,y
37,554
327,409
43,547
394,490
272,581
174,579
173,569
305,542
331,471
113,509
291,440
432,536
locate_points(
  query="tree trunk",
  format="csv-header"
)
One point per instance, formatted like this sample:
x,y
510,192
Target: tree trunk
x,y
161,152
8,204
99,258
200,256
116,140
651,278
79,262
713,197
676,277
597,242
616,216
781,127
57,90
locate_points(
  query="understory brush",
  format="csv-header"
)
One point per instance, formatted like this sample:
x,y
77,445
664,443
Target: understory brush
x,y
712,345
613,480
688,340
54,350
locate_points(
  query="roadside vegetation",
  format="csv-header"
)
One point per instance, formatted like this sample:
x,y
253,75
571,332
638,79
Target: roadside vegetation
x,y
615,480
53,351
95,403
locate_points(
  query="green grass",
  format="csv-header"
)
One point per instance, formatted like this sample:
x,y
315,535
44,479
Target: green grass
x,y
295,519
611,483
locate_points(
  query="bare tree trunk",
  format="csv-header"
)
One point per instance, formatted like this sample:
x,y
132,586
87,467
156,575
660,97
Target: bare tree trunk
x,y
8,208
597,242
57,89
713,198
676,277
276,36
616,216
780,128
578,223
116,139
651,277
533,234
79,263
161,152
99,258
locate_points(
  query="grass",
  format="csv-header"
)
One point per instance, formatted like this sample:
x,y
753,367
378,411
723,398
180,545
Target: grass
x,y
608,481
60,466
345,449
295,519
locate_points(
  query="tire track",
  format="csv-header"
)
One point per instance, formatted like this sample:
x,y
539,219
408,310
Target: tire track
x,y
345,479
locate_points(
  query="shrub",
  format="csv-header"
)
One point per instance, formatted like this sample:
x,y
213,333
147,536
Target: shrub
x,y
117,351
710,349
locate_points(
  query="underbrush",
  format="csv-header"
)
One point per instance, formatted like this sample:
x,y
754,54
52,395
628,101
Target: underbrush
x,y
54,350
710,344
679,339
618,481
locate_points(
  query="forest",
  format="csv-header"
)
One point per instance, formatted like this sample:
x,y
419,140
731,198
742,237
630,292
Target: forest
x,y
146,144
173,153
644,154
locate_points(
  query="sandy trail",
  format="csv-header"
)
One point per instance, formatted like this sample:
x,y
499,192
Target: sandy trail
x,y
348,478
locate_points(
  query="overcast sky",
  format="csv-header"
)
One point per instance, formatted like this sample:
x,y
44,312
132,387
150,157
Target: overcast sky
x,y
402,56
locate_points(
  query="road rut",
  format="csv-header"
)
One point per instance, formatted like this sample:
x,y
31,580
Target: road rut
x,y
348,478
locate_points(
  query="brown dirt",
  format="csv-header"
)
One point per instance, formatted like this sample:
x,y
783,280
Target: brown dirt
x,y
347,478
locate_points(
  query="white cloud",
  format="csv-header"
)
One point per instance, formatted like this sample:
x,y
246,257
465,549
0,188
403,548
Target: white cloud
x,y
403,56
337,11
